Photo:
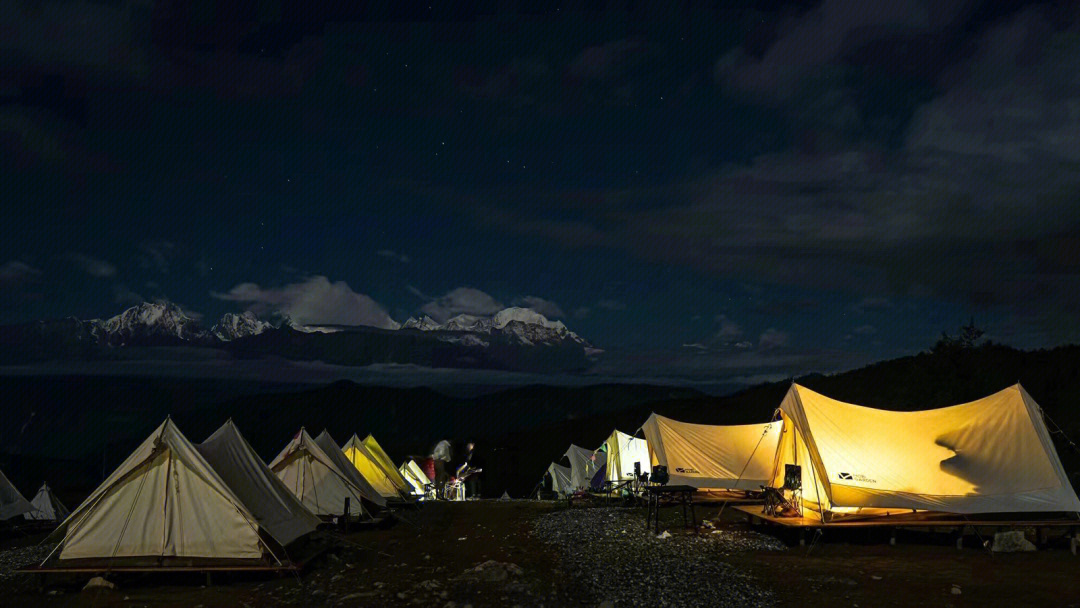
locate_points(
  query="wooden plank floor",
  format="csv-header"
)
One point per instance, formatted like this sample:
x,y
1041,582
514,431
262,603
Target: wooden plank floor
x,y
921,520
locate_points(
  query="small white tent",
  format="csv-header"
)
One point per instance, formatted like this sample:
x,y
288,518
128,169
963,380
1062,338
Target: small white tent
x,y
583,466
739,457
47,507
992,455
560,479
318,480
415,476
622,451
163,503
278,511
12,502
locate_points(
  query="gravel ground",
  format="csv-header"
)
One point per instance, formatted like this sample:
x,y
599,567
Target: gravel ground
x,y
13,559
617,562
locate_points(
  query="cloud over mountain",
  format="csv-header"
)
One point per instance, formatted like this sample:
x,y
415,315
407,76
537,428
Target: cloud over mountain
x,y
314,301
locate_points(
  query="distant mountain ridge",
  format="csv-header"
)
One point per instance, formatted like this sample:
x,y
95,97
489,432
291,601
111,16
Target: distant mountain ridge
x,y
515,339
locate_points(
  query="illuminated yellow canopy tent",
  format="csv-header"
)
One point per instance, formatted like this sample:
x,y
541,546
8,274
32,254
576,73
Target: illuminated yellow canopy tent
x,y
740,457
387,465
622,452
357,453
993,455
415,476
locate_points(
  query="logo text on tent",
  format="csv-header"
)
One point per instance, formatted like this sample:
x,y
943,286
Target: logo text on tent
x,y
855,477
686,470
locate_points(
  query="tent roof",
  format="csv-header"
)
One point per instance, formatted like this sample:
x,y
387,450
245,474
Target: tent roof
x,y
991,455
278,511
12,502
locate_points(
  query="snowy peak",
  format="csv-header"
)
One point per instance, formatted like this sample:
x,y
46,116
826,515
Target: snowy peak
x,y
424,324
233,326
148,320
522,325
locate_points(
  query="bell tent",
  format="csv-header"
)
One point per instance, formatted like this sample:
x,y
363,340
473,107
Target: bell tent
x,y
163,506
583,466
622,451
560,479
47,507
364,463
992,455
319,480
278,511
386,464
740,457
416,477
12,502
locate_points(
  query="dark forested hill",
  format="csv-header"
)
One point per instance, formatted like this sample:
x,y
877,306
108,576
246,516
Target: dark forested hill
x,y
69,429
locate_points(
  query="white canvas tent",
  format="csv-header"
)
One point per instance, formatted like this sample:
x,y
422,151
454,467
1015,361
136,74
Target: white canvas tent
x,y
12,502
163,503
416,477
740,457
583,466
560,479
993,455
277,510
317,479
47,507
621,452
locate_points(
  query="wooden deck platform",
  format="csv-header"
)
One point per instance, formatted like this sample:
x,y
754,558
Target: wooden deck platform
x,y
905,520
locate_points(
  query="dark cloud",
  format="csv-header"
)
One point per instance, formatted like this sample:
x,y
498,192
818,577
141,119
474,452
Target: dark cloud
x,y
462,300
94,267
547,308
14,271
393,255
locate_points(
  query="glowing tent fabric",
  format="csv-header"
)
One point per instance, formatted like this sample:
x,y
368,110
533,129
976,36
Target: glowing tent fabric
x,y
993,455
278,511
740,457
365,463
622,451
47,507
12,502
583,466
165,501
416,477
560,479
386,464
318,479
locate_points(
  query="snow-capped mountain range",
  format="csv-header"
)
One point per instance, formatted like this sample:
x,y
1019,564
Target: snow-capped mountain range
x,y
526,325
513,339
164,320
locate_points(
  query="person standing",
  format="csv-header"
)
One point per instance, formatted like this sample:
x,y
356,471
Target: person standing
x,y
441,457
472,482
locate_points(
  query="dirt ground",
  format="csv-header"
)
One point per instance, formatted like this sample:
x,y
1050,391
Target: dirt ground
x,y
430,558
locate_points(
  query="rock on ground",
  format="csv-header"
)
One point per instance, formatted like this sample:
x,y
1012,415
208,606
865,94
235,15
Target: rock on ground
x,y
617,562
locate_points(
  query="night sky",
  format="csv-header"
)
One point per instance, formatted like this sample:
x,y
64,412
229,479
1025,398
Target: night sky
x,y
751,188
